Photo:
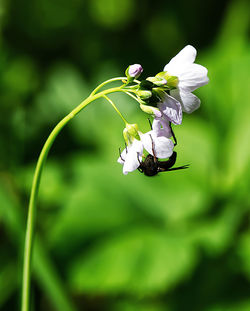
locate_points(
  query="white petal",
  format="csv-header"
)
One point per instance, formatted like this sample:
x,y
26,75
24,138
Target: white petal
x,y
160,146
171,108
186,56
123,156
192,77
137,146
134,153
131,163
189,101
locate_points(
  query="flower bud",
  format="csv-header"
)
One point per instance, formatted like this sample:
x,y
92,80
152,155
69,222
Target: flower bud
x,y
144,94
157,81
151,110
134,71
130,132
172,81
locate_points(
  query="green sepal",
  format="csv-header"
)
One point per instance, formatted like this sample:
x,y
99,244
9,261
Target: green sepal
x,y
129,78
163,75
130,132
157,81
172,81
144,94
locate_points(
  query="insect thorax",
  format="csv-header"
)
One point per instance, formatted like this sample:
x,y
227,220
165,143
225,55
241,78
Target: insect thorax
x,y
150,166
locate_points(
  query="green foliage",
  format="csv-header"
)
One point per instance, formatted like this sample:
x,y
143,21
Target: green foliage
x,y
145,261
179,241
105,12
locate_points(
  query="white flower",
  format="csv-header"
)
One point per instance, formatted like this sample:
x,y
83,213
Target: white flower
x,y
190,77
157,142
131,156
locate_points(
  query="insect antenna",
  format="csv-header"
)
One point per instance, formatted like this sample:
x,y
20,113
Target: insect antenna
x,y
179,167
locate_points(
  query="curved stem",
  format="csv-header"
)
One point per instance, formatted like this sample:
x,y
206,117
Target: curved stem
x,y
34,192
116,109
106,82
134,97
109,81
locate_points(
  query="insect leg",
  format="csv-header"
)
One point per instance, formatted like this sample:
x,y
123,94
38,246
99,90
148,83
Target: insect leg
x,y
153,148
172,132
149,121
121,155
179,168
139,158
166,165
140,168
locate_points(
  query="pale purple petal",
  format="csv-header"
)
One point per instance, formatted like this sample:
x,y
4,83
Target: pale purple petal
x,y
135,70
161,127
171,108
189,101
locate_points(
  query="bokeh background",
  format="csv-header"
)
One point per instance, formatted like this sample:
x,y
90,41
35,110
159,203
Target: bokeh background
x,y
178,241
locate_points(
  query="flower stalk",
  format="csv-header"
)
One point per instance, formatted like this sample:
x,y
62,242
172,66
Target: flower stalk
x,y
164,96
29,237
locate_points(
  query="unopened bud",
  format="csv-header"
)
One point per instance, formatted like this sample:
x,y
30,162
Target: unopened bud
x,y
157,81
151,110
172,81
130,132
144,94
134,71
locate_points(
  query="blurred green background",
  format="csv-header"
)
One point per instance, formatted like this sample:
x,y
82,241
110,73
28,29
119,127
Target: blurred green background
x,y
179,241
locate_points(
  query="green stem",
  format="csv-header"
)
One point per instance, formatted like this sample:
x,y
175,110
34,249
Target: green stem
x,y
106,82
34,192
116,109
109,81
134,97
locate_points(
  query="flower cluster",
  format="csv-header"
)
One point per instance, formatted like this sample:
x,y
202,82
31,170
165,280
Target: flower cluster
x,y
156,142
164,96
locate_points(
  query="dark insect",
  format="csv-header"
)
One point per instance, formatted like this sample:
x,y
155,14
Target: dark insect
x,y
151,166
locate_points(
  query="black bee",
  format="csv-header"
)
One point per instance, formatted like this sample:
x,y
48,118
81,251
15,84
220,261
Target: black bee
x,y
151,166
